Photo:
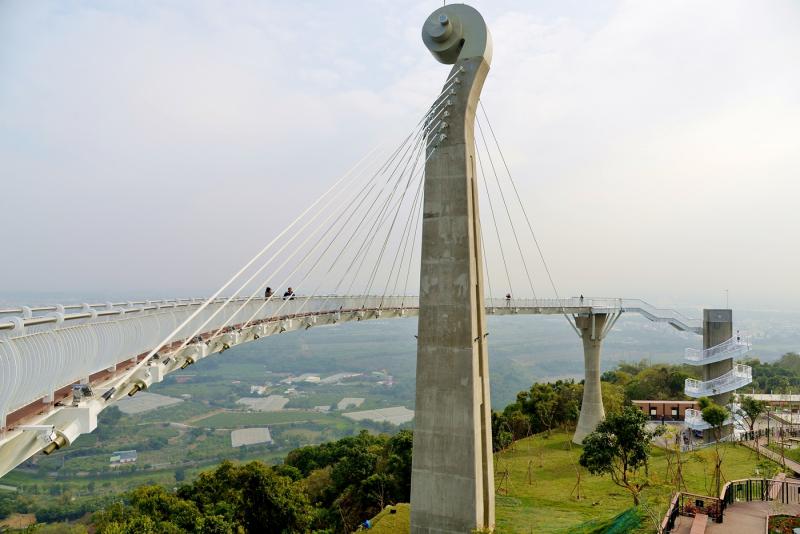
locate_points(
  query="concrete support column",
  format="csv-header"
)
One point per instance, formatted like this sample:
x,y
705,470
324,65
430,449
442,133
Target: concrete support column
x,y
717,328
592,411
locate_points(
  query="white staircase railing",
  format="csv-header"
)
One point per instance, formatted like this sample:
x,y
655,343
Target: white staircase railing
x,y
739,376
673,317
694,418
736,347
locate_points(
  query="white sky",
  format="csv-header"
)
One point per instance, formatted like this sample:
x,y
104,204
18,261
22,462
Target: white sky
x,y
154,148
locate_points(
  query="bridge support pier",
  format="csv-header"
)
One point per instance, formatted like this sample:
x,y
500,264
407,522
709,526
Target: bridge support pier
x,y
593,328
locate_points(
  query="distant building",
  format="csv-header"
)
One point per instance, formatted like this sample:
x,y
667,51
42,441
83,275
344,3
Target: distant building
x,y
778,400
123,457
250,436
338,377
350,402
665,410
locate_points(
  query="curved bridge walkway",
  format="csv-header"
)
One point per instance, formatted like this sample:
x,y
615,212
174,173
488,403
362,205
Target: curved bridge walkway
x,y
66,363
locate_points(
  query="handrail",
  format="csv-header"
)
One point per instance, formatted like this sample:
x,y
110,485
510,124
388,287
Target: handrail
x,y
731,348
786,491
737,377
111,309
10,318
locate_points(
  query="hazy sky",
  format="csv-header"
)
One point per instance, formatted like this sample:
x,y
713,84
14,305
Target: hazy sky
x,y
151,148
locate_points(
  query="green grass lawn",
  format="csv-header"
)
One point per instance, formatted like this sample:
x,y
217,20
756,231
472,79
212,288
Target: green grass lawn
x,y
546,504
387,522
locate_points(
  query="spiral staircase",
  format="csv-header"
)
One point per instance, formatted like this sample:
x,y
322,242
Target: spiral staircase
x,y
739,376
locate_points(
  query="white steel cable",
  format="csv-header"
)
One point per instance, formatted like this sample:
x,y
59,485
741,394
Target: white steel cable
x,y
519,199
228,300
283,247
380,215
391,226
316,262
505,204
405,241
494,219
527,219
413,246
203,306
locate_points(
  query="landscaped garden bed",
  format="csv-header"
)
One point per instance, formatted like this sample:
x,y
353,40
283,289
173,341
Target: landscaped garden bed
x,y
783,524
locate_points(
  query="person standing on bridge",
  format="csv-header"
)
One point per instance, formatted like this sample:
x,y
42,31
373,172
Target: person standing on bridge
x,y
268,293
581,299
289,294
508,299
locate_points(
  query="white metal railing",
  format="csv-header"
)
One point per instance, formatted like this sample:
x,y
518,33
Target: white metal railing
x,y
734,347
694,418
673,317
38,359
739,376
571,302
48,347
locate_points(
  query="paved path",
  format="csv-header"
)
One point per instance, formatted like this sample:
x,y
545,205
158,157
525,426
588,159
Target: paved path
x,y
772,455
740,518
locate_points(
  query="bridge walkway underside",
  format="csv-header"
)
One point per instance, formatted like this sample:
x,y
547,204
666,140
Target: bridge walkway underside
x,y
46,352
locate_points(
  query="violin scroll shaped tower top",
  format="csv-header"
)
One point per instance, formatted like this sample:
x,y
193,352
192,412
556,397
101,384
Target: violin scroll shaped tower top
x,y
456,32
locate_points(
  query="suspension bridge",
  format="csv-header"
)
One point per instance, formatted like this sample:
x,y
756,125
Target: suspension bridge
x,y
404,217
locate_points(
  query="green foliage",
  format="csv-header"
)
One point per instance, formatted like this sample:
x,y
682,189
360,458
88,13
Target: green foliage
x,y
778,377
620,447
250,496
659,382
613,397
542,408
331,487
751,409
352,479
8,504
715,415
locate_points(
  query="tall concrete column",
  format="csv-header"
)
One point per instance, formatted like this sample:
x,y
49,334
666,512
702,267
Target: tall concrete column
x,y
591,328
717,328
452,477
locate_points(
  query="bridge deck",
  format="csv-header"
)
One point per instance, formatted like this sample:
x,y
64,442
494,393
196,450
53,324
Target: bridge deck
x,y
44,350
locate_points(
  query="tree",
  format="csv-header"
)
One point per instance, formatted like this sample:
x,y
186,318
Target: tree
x,y
715,415
613,397
751,409
620,447
542,405
180,474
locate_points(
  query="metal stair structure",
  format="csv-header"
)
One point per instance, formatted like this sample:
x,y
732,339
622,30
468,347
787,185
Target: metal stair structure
x,y
738,377
693,419
735,347
721,375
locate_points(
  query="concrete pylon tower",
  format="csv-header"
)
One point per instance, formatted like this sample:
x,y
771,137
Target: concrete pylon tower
x,y
452,477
